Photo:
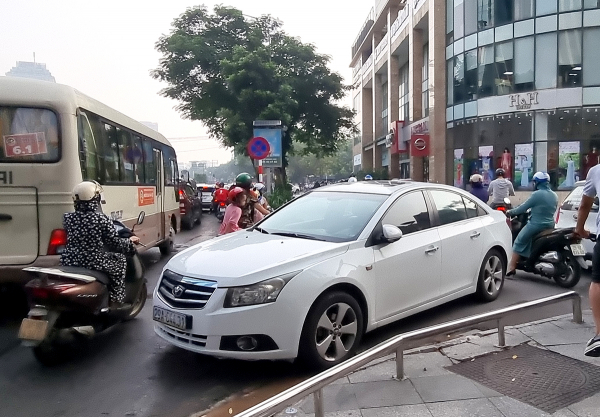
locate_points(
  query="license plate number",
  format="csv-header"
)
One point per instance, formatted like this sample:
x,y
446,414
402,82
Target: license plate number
x,y
222,209
173,319
33,329
578,249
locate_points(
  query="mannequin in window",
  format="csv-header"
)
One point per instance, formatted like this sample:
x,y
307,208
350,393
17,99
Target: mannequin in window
x,y
591,159
525,164
506,163
570,180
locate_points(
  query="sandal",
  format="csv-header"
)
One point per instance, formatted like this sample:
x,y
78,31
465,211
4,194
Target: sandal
x,y
511,273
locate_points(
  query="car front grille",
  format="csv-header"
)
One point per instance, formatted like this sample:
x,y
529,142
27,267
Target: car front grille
x,y
180,336
178,291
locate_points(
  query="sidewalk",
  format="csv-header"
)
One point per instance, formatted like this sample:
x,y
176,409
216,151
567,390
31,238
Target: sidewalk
x,y
543,364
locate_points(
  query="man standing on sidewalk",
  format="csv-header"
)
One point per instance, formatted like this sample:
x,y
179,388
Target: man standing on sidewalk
x,y
590,191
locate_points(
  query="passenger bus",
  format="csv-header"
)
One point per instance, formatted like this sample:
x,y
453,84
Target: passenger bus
x,y
51,138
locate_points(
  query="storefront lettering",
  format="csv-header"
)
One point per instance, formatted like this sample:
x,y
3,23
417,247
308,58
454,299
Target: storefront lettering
x,y
420,128
6,177
523,101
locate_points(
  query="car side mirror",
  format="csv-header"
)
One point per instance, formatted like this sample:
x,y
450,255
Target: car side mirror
x,y
391,233
141,217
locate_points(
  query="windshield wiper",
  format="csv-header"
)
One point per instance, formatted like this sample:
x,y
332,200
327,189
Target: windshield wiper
x,y
298,235
260,229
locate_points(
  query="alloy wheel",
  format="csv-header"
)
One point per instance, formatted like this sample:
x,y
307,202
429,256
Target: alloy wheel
x,y
336,332
492,278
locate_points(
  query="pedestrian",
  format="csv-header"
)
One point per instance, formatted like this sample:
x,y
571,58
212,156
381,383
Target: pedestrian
x,y
590,192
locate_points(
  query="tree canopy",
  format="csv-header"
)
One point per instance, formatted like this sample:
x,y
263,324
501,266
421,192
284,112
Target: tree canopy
x,y
227,70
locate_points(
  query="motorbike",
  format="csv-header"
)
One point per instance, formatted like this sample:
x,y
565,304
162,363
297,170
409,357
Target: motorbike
x,y
556,253
71,304
220,211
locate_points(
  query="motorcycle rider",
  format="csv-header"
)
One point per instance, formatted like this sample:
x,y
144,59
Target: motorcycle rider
x,y
352,178
89,232
368,177
233,212
477,189
262,200
543,203
220,196
249,216
500,189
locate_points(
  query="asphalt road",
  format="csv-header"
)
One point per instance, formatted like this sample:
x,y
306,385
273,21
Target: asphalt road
x,y
128,371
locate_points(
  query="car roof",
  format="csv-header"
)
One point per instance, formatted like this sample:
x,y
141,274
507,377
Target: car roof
x,y
383,187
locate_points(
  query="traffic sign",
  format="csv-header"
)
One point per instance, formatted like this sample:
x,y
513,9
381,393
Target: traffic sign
x,y
258,148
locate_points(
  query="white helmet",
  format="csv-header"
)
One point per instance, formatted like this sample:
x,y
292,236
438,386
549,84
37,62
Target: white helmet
x,y
476,178
259,186
541,177
87,191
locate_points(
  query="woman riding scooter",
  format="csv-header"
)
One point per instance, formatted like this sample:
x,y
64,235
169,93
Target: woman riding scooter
x,y
543,203
89,232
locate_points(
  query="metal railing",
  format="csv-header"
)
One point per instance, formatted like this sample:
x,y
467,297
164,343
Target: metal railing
x,y
398,344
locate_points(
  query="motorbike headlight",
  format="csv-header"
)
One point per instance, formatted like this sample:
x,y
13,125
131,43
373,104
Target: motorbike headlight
x,y
260,293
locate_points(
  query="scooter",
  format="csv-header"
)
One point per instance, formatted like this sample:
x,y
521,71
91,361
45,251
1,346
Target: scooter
x,y
556,253
221,211
71,304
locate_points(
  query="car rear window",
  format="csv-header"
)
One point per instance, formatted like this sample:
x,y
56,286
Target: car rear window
x,y
28,135
573,201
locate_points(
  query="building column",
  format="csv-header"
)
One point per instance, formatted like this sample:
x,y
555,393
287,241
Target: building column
x,y
415,78
378,131
367,126
393,108
437,92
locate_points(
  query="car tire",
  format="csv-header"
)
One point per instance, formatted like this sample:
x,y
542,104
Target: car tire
x,y
327,341
166,248
491,276
570,279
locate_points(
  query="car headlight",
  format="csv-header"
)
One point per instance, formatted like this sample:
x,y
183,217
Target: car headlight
x,y
261,293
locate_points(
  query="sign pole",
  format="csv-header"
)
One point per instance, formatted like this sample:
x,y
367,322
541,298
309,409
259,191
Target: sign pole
x,y
260,170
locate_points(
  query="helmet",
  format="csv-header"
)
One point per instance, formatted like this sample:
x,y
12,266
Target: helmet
x,y
260,187
476,178
368,177
243,180
87,191
221,184
500,172
234,192
540,176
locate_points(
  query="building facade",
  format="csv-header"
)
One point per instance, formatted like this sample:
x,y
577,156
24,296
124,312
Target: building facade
x,y
33,70
521,90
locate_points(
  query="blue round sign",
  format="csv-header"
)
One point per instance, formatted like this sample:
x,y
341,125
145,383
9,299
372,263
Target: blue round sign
x,y
258,148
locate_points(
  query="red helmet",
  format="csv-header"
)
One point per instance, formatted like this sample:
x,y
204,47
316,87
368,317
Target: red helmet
x,y
234,192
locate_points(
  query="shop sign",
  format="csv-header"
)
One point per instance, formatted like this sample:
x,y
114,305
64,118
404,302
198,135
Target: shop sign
x,y
145,196
419,145
397,144
358,159
523,101
419,128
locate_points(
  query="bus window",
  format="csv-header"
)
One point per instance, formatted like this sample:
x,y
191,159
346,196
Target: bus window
x,y
138,156
28,135
88,149
150,163
111,154
170,174
126,157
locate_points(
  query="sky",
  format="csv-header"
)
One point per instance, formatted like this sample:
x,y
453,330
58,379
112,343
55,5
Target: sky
x,y
106,50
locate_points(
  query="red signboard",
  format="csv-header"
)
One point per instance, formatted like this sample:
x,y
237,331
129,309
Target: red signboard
x,y
146,196
419,145
397,141
25,144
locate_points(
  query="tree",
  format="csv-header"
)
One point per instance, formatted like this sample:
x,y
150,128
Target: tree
x,y
227,71
337,165
201,178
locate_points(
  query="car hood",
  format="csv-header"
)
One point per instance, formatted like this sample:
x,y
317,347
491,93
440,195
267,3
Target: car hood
x,y
247,257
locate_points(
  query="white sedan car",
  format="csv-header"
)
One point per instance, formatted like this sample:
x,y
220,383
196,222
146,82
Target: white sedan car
x,y
310,279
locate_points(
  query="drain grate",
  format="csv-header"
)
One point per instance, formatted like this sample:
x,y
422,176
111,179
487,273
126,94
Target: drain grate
x,y
544,379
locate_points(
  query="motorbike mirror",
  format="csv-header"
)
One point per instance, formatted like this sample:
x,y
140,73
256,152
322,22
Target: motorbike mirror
x,y
506,200
391,233
141,217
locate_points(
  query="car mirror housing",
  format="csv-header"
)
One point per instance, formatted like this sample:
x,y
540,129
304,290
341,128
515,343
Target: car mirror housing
x,y
391,233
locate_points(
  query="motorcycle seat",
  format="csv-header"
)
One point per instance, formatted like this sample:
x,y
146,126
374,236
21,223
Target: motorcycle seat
x,y
544,233
73,272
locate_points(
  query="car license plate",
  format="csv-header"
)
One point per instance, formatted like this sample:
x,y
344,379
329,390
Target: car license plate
x,y
221,209
33,329
578,249
173,319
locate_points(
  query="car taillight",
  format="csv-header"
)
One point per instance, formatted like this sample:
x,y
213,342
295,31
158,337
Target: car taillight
x,y
222,204
58,241
502,209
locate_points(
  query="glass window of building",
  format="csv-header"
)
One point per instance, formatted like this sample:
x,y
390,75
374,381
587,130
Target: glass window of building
x,y
591,57
449,21
403,94
545,61
471,75
485,14
569,58
591,4
524,9
504,68
568,5
544,7
384,108
470,16
524,70
486,73
425,83
450,81
459,78
504,12
459,21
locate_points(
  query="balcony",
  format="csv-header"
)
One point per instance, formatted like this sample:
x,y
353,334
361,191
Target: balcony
x,y
381,46
363,32
400,21
367,65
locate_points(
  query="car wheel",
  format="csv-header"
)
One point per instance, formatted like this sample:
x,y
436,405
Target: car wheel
x,y
332,331
491,276
572,273
166,248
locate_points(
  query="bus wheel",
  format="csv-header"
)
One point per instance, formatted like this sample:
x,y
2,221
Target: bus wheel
x,y
166,248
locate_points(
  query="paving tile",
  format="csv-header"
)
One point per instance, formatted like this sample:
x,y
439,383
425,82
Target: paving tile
x,y
468,350
425,364
590,407
300,413
446,388
343,380
418,410
335,398
562,336
513,337
481,407
533,329
486,391
513,408
385,393
568,323
384,371
575,351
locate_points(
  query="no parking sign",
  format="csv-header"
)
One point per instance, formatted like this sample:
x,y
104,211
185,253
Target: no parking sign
x,y
258,148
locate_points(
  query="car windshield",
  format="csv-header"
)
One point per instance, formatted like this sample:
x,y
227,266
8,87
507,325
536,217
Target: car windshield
x,y
330,216
573,201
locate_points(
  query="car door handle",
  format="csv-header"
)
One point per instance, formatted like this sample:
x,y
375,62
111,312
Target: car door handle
x,y
475,235
432,249
5,217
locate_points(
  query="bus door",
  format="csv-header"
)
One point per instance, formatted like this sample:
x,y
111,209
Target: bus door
x,y
160,192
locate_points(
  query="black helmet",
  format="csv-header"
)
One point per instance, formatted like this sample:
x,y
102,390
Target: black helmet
x,y
500,172
243,180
